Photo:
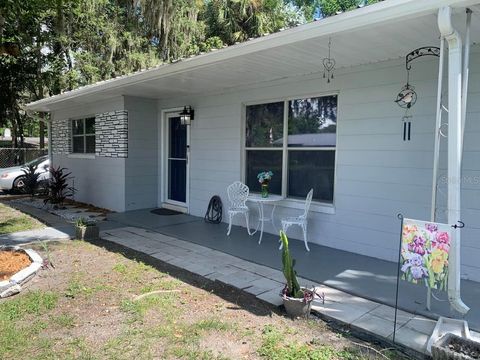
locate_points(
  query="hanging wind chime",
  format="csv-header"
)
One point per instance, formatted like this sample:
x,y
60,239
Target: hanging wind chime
x,y
328,64
407,97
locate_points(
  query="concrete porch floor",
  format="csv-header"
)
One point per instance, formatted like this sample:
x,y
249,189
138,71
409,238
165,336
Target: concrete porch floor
x,y
355,274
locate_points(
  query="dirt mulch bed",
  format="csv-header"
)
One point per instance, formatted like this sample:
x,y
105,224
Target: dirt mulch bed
x,y
12,262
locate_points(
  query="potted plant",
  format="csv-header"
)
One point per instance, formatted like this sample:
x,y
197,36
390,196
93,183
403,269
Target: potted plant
x,y
86,229
297,300
264,179
451,346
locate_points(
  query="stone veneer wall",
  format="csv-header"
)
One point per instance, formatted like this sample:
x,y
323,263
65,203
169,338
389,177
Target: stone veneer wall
x,y
61,137
111,134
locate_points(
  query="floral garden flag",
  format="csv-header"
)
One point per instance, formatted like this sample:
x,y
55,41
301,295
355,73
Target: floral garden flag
x,y
425,249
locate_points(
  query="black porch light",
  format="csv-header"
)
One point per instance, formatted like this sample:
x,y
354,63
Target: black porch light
x,y
186,116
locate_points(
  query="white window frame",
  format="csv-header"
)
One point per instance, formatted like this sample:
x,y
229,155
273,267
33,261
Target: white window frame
x,y
84,135
295,203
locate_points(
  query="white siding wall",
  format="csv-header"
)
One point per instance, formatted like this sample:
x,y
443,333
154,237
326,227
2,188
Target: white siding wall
x,y
141,177
378,174
99,181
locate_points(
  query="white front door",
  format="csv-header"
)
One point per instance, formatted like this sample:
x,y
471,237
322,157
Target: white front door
x,y
176,161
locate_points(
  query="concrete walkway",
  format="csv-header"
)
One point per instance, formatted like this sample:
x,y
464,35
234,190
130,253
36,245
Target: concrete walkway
x,y
57,229
413,331
25,237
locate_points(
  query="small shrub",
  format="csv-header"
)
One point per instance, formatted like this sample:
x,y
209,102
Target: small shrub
x,y
58,189
30,179
84,222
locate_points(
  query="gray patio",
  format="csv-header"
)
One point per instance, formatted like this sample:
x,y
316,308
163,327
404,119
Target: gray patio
x,y
355,274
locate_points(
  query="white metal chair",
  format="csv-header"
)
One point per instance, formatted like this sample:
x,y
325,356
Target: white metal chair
x,y
301,220
237,195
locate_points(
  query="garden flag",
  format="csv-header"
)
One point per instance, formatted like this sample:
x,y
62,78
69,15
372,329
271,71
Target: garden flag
x,y
425,250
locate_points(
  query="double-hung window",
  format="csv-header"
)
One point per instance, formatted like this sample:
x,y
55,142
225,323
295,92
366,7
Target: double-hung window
x,y
83,136
296,140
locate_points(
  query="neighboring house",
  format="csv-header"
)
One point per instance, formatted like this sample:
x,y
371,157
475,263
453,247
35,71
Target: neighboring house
x,y
123,142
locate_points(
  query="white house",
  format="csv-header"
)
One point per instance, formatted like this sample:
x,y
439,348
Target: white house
x,y
254,104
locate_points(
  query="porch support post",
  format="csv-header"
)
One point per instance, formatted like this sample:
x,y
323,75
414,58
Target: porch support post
x,y
49,134
454,151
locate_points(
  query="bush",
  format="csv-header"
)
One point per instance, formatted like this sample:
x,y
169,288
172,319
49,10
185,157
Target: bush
x,y
30,179
58,189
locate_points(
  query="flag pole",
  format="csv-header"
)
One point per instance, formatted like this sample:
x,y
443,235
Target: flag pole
x,y
400,216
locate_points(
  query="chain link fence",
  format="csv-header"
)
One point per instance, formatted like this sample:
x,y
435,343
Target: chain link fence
x,y
15,157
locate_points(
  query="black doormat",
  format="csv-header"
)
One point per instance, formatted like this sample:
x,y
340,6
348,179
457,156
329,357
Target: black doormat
x,y
165,212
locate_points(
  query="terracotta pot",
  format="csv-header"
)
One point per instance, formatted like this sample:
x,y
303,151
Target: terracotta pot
x,y
442,351
296,307
90,232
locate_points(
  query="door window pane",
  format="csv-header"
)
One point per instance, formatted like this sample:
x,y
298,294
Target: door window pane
x,y
90,144
264,160
311,169
78,144
312,122
178,139
177,182
264,125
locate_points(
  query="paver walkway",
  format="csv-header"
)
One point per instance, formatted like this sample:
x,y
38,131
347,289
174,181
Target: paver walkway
x,y
24,237
413,331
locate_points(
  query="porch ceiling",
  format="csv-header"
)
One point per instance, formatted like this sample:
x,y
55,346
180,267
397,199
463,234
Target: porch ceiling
x,y
363,44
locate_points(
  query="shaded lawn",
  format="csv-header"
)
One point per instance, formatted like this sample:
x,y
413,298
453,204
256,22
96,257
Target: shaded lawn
x,y
12,220
87,307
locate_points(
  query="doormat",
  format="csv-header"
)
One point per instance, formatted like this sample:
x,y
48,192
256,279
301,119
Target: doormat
x,y
165,212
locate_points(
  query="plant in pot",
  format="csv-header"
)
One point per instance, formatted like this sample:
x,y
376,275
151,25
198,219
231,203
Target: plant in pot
x,y
297,300
86,229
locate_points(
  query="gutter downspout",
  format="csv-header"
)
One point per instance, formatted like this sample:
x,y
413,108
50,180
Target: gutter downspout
x,y
454,151
466,64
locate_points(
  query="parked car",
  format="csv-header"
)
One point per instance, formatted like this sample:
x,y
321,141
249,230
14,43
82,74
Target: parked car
x,y
12,178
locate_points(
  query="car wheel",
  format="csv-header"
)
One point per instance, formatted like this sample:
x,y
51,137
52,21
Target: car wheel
x,y
19,184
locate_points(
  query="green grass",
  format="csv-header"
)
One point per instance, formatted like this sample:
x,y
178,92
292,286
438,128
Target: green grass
x,y
16,335
33,303
276,345
12,221
64,320
172,324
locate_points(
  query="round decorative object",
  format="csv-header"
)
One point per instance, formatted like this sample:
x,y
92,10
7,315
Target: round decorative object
x,y
407,97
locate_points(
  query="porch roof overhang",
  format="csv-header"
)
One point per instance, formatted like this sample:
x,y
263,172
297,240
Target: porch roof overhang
x,y
383,31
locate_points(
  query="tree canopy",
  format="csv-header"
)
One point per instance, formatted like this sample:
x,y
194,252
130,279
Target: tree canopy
x,y
49,46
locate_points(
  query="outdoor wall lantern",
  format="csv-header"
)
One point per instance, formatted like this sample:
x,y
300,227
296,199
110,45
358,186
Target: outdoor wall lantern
x,y
186,116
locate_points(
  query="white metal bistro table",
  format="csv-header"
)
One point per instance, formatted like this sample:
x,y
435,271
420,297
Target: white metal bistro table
x,y
261,201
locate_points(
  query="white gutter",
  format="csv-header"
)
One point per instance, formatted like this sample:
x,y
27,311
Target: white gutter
x,y
454,151
466,64
381,12
436,147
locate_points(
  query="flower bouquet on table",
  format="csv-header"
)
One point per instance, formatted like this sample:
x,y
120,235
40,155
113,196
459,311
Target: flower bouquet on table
x,y
264,179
